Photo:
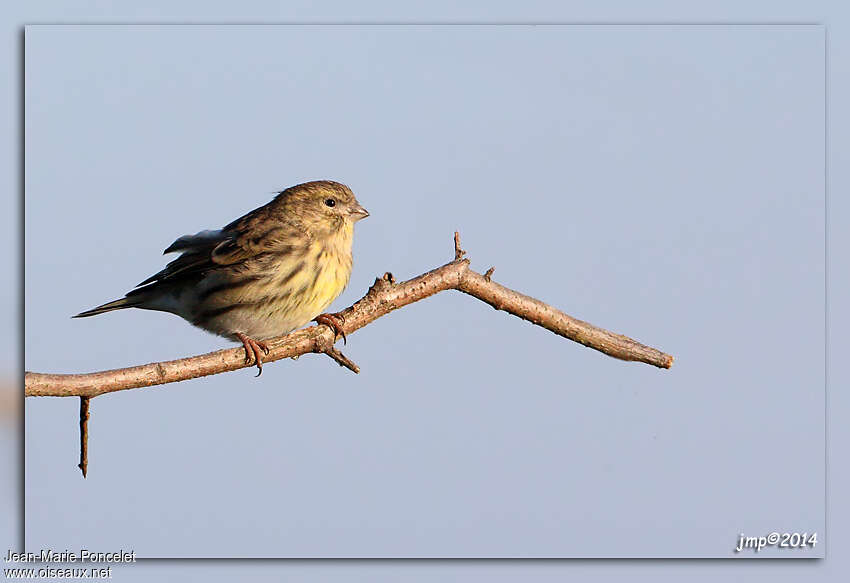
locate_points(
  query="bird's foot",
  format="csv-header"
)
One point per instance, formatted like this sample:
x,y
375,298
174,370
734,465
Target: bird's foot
x,y
254,350
334,322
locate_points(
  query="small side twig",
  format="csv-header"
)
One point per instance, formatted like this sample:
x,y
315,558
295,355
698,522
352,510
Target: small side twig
x,y
459,253
342,360
84,435
489,273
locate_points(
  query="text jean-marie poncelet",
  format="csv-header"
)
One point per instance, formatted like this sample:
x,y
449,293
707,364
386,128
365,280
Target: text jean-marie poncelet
x,y
68,556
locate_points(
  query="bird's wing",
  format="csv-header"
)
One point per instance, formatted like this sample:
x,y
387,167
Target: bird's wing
x,y
197,240
250,236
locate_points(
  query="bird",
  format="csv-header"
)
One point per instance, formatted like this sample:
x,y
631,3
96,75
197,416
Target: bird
x,y
265,274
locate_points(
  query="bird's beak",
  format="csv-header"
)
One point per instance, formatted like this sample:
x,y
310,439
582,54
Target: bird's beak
x,y
357,212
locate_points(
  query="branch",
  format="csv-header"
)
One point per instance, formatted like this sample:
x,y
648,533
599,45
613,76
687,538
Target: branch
x,y
383,297
84,435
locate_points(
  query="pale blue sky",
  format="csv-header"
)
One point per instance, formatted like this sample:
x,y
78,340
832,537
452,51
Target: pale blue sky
x,y
663,181
699,152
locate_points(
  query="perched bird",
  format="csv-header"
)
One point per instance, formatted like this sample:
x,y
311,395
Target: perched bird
x,y
265,274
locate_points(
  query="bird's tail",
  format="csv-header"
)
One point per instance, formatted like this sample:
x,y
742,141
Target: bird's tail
x,y
128,302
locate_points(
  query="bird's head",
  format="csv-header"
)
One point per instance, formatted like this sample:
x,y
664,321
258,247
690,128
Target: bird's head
x,y
323,205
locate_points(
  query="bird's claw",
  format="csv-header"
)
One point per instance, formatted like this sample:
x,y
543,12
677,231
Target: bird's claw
x,y
335,322
253,349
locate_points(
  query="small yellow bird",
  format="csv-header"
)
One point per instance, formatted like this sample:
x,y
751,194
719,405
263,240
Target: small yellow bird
x,y
265,274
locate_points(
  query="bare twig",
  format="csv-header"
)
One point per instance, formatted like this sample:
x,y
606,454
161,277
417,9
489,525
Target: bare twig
x,y
84,435
459,253
342,360
383,297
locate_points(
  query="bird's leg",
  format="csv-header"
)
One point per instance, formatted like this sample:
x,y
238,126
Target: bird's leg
x,y
254,350
334,322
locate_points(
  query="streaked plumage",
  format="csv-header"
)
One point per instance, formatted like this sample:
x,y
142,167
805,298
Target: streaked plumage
x,y
263,275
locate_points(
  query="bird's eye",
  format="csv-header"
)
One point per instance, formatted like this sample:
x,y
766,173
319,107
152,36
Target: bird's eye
x,y
330,202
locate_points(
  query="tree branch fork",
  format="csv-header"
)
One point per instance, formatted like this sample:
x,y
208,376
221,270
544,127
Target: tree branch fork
x,y
383,297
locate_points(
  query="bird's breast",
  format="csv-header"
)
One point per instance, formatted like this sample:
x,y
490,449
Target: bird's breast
x,y
293,291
